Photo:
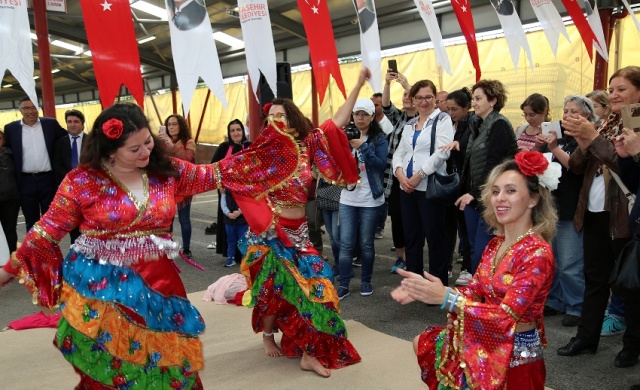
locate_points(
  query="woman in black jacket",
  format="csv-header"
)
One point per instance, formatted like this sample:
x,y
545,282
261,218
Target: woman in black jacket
x,y
236,142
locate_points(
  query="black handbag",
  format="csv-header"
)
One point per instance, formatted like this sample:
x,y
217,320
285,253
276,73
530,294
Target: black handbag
x,y
442,188
328,196
625,276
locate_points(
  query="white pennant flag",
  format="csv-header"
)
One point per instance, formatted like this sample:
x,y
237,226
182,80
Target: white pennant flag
x,y
428,14
633,15
370,41
551,22
593,17
194,51
259,49
513,30
16,53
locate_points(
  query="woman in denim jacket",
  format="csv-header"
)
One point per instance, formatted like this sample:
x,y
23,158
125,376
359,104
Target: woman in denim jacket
x,y
358,206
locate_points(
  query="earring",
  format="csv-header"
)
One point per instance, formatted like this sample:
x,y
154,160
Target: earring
x,y
112,161
491,105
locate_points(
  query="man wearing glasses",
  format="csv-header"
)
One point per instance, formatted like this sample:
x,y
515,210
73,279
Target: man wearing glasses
x,y
31,140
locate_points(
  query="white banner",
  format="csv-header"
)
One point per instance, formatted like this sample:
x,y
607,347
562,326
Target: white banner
x,y
428,14
551,22
16,54
593,17
633,15
513,30
259,49
370,41
194,51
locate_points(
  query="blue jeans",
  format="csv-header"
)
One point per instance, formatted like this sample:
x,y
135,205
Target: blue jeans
x,y
234,233
567,290
616,307
423,219
184,217
330,218
382,217
479,235
356,223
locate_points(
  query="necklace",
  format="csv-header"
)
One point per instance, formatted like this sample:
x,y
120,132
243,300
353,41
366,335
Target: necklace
x,y
497,260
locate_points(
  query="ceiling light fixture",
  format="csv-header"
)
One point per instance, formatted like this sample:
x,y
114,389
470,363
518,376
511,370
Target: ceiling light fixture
x,y
151,9
55,70
146,39
7,86
68,46
227,39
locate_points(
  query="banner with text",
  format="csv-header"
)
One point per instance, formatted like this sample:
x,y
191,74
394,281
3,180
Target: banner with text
x,y
259,49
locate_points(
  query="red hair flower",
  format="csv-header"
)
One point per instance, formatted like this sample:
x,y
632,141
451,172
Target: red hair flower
x,y
531,163
266,108
113,128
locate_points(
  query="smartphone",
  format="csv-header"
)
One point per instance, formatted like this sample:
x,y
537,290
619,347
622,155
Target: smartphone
x,y
163,130
546,126
393,66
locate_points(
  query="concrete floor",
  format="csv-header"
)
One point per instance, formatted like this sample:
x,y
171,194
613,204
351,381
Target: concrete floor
x,y
377,311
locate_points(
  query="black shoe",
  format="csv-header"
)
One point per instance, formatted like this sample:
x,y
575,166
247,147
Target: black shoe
x,y
187,253
634,387
211,229
626,358
570,320
577,346
356,262
550,311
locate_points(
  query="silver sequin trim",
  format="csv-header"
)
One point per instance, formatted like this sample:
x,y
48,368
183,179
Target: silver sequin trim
x,y
126,251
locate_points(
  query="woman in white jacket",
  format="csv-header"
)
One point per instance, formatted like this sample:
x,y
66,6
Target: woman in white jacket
x,y
412,164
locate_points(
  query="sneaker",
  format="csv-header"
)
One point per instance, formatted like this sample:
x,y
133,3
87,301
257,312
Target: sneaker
x,y
612,326
356,262
379,235
230,262
187,253
212,245
366,289
398,264
464,278
343,292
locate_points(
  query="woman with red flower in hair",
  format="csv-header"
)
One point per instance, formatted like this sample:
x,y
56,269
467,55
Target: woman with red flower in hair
x,y
495,333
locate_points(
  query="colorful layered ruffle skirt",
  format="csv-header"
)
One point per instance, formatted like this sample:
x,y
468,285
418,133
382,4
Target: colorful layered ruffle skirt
x,y
296,286
129,327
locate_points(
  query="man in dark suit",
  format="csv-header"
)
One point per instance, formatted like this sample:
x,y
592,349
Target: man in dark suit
x,y
31,141
67,150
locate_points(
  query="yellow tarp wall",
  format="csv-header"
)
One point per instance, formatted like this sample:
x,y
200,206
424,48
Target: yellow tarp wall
x,y
570,72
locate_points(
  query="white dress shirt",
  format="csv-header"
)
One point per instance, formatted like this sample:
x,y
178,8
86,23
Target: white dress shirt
x,y
35,157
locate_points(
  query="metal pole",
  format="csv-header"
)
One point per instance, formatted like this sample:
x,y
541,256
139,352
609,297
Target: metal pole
x,y
314,99
204,110
153,101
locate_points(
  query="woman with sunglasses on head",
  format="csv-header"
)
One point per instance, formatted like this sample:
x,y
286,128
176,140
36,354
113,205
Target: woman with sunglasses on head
x,y
492,140
287,277
398,118
413,162
236,142
458,106
494,336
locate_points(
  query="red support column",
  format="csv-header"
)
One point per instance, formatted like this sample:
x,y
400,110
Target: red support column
x,y
314,99
44,55
601,68
255,114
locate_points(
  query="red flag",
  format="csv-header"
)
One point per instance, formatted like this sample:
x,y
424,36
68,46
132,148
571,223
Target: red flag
x,y
582,24
322,44
114,49
462,9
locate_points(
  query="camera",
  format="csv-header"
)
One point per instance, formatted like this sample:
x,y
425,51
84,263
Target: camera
x,y
351,131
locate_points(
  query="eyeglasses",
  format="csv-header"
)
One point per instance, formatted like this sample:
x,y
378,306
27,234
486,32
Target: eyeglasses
x,y
530,115
421,98
27,108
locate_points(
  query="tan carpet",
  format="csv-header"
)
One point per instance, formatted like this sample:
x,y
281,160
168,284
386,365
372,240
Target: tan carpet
x,y
234,358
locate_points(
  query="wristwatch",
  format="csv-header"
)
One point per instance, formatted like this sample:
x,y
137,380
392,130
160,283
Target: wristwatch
x,y
636,157
423,175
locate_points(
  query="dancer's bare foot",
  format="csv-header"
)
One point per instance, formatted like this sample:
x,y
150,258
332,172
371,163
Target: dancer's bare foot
x,y
270,346
310,363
